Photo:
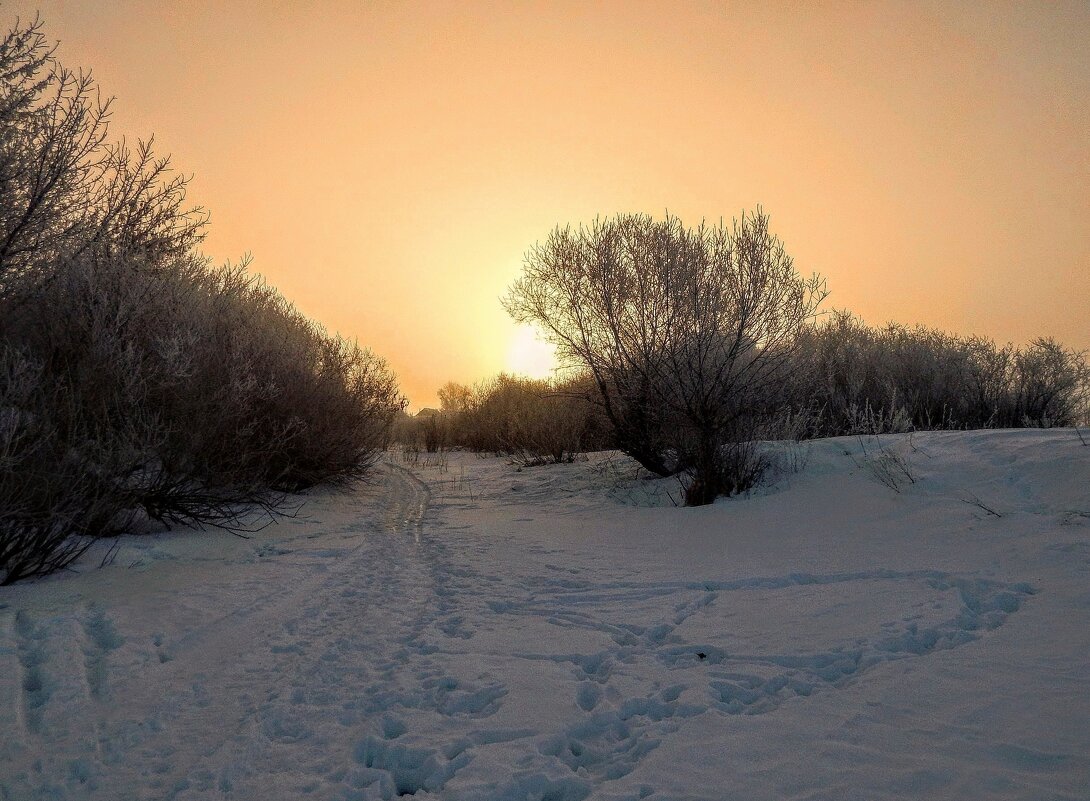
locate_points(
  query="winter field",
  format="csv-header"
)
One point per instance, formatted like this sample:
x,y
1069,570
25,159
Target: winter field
x,y
907,618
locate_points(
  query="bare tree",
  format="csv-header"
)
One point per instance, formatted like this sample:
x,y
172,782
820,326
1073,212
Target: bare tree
x,y
454,398
687,333
64,187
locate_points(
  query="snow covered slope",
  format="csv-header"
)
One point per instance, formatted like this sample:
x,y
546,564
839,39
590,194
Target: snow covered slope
x,y
899,618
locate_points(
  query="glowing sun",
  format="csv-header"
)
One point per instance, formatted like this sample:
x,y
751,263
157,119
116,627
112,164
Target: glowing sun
x,y
529,355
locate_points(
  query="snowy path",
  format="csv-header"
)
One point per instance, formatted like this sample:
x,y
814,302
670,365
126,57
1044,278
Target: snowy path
x,y
467,632
275,675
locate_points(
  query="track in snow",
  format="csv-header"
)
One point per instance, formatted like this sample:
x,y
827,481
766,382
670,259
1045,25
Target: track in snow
x,y
380,661
280,678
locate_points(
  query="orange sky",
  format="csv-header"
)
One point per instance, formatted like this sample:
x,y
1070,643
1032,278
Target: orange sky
x,y
388,164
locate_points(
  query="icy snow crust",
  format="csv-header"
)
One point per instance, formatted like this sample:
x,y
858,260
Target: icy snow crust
x,y
460,630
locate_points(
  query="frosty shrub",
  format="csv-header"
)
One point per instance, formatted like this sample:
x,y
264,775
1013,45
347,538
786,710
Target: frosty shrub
x,y
47,494
532,422
278,400
184,393
529,421
436,433
1050,385
137,379
893,378
429,433
689,335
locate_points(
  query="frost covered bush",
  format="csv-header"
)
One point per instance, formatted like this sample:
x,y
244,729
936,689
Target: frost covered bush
x,y
427,432
277,399
46,493
137,379
893,378
182,393
530,421
1050,385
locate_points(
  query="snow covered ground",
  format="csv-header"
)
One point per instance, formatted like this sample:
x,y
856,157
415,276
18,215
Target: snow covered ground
x,y
907,618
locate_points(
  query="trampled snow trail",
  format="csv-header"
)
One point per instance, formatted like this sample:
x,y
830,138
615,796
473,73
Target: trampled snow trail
x,y
275,678
463,632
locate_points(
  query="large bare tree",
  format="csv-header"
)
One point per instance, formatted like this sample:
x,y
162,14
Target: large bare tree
x,y
687,332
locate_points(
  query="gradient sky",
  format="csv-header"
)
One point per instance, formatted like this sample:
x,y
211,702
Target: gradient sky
x,y
388,164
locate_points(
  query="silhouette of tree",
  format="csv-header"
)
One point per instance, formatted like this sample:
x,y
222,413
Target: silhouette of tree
x,y
688,334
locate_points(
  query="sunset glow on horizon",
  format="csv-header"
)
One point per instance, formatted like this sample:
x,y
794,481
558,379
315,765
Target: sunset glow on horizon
x,y
388,165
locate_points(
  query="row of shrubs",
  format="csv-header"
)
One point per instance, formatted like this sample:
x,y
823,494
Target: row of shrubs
x,y
845,378
137,380
184,394
532,422
856,378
